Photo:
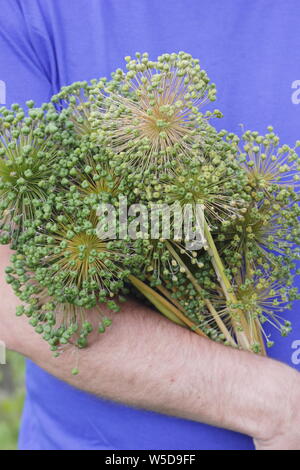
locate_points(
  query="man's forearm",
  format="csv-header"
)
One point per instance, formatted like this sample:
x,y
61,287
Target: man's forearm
x,y
145,361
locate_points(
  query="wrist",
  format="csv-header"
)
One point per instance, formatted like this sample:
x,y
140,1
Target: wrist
x,y
284,402
8,337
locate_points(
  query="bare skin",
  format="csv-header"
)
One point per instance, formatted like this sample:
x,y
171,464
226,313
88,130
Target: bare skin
x,y
147,362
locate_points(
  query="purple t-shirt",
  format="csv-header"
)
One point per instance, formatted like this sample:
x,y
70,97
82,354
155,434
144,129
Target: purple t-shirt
x,y
251,50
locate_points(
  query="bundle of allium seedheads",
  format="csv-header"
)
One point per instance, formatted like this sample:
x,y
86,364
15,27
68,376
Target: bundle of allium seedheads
x,y
142,136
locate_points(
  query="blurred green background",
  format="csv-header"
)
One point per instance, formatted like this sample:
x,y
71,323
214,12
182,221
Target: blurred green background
x,y
11,400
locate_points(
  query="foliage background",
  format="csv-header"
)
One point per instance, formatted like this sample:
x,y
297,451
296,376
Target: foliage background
x,y
11,400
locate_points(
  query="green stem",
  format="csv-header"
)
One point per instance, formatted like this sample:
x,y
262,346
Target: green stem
x,y
259,337
240,325
256,323
164,306
198,288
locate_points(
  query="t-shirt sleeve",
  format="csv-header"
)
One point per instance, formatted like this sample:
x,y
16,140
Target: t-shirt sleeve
x,y
22,74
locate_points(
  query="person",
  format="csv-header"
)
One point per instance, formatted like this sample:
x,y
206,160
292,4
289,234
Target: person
x,y
149,384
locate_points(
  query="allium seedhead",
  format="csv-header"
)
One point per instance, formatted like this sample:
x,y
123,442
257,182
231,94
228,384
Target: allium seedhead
x,y
70,253
263,233
151,113
30,149
264,300
269,225
95,173
64,270
217,183
73,99
269,165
